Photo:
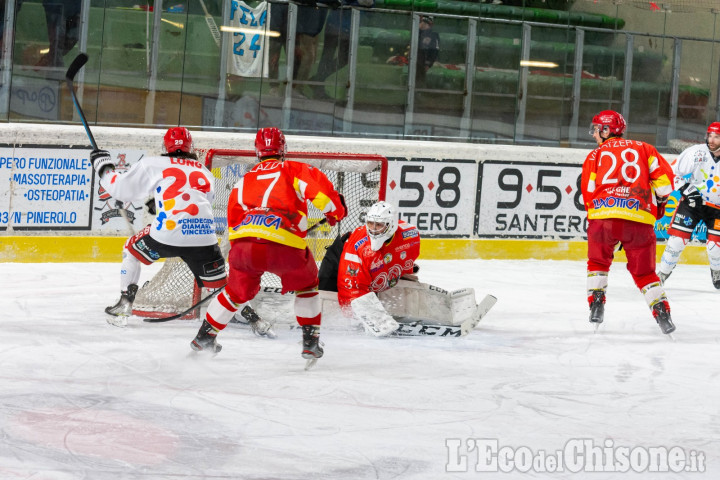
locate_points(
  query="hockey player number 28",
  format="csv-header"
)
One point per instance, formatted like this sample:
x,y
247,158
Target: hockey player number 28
x,y
630,159
196,180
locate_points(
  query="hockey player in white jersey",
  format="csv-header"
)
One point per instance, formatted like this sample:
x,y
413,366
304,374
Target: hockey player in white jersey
x,y
697,170
184,226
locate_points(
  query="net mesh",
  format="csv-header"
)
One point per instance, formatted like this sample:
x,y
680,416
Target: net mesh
x,y
360,178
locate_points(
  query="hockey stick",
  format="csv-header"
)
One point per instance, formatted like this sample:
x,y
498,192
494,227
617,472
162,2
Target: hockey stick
x,y
209,297
75,66
182,314
72,70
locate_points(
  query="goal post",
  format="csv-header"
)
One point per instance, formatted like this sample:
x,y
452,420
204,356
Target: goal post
x,y
360,178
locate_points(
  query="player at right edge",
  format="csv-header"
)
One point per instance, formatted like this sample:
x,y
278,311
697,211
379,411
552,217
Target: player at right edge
x,y
625,185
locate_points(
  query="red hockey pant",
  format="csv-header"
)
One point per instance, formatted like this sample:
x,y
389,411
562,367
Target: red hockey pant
x,y
638,241
251,257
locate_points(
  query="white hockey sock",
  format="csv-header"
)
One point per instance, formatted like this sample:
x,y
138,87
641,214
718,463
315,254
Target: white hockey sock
x,y
713,251
129,271
308,307
653,293
671,255
221,311
597,281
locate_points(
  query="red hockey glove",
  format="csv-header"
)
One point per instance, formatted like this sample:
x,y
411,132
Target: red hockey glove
x,y
340,212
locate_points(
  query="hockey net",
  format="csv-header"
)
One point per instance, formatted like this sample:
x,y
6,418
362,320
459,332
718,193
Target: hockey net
x,y
360,178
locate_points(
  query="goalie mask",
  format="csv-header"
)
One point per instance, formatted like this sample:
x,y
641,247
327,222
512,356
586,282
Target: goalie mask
x,y
177,139
380,223
270,142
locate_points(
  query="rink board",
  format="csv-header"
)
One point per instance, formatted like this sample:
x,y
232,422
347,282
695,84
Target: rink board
x,y
30,249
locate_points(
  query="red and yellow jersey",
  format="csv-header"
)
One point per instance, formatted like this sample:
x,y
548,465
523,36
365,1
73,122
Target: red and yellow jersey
x,y
621,178
362,270
270,202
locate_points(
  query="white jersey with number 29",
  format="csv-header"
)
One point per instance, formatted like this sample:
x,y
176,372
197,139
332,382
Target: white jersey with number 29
x,y
183,190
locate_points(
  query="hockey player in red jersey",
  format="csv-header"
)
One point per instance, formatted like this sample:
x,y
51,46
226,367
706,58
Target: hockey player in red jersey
x,y
184,225
625,186
267,221
377,254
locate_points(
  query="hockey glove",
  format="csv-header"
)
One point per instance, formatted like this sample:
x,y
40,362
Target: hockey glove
x,y
662,202
340,213
691,196
101,161
150,204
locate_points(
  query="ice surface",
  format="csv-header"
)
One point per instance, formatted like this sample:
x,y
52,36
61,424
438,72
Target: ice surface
x,y
81,399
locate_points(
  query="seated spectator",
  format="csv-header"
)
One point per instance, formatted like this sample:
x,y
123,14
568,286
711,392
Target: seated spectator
x,y
428,49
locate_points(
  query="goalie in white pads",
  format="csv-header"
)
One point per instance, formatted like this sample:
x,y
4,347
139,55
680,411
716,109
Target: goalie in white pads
x,y
373,268
184,226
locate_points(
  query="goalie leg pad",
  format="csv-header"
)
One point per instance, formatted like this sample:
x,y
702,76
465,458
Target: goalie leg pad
x,y
368,310
417,301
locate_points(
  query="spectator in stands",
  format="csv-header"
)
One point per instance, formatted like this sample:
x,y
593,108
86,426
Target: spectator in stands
x,y
336,40
428,49
310,23
63,28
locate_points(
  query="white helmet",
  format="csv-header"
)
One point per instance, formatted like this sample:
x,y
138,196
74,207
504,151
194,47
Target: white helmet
x,y
384,214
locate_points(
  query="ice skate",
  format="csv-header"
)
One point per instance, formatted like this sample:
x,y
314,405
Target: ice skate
x,y
597,307
661,312
664,276
206,339
715,278
259,326
123,308
312,350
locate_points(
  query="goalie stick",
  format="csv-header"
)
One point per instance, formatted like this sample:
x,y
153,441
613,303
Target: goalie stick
x,y
212,294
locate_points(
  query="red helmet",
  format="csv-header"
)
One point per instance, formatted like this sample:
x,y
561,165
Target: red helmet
x,y
714,127
178,138
610,119
270,142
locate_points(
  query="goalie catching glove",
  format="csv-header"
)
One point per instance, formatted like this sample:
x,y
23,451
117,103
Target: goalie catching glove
x,y
691,195
101,161
338,214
